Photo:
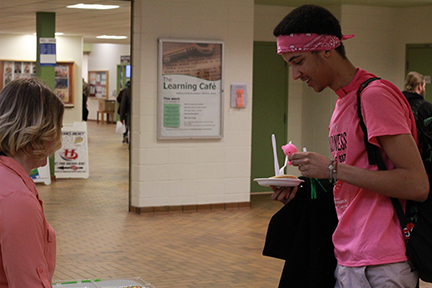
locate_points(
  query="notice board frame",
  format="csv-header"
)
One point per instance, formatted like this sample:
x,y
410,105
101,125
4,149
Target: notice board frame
x,y
99,84
64,77
190,89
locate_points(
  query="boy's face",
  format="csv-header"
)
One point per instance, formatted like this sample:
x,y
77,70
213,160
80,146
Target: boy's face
x,y
310,67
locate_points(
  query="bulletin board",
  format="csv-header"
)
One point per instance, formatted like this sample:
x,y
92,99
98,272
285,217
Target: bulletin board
x,y
99,84
64,82
12,70
190,89
64,76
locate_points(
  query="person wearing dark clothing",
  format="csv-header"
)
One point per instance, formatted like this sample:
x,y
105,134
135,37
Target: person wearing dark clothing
x,y
86,90
125,109
415,91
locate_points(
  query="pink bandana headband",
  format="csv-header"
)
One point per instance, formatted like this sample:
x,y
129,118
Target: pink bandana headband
x,y
308,42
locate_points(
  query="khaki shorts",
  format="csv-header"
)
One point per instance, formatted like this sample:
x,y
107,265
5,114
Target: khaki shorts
x,y
395,275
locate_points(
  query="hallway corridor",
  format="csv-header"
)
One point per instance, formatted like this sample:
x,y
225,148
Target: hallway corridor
x,y
98,238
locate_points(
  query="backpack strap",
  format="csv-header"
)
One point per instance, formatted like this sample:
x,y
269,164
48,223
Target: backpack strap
x,y
374,156
373,153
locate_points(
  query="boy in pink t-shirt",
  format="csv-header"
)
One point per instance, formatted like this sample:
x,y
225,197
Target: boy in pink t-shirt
x,y
385,113
368,241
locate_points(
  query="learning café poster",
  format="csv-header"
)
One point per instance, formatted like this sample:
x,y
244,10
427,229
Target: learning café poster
x,y
190,89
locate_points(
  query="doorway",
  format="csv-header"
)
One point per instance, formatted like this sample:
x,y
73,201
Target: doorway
x,y
269,111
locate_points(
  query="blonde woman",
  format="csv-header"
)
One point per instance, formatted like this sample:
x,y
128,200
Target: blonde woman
x,y
30,130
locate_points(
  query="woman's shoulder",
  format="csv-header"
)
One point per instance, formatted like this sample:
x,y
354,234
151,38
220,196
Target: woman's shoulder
x,y
11,182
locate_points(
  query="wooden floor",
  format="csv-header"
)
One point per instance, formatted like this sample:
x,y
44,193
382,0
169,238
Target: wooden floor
x,y
98,238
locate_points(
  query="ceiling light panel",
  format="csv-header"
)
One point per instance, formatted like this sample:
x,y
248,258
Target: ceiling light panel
x,y
93,6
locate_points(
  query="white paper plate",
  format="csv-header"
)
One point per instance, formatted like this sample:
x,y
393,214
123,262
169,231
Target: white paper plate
x,y
278,182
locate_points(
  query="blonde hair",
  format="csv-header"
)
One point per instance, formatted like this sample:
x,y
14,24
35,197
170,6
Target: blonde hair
x,y
31,116
413,79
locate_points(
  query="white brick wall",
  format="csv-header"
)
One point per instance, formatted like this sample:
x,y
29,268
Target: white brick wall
x,y
217,171
186,172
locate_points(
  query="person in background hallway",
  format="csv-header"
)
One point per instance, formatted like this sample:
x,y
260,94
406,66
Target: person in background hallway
x,y
125,109
369,245
415,92
31,116
86,91
119,99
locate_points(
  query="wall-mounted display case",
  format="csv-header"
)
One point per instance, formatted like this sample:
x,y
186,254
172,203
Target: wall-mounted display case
x,y
64,80
98,82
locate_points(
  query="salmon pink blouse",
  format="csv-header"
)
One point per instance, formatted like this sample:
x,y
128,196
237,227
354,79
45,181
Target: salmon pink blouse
x,y
27,241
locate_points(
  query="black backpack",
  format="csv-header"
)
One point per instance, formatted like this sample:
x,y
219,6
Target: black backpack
x,y
424,129
416,223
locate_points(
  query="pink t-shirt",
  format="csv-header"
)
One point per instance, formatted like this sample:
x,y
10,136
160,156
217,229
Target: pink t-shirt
x,y
368,232
27,241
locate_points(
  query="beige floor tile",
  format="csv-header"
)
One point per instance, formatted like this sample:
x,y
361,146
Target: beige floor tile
x,y
98,238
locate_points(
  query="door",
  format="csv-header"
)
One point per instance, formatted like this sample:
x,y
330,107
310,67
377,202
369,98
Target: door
x,y
269,110
419,59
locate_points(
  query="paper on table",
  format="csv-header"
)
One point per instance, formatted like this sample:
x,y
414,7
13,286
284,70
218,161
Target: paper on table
x,y
276,162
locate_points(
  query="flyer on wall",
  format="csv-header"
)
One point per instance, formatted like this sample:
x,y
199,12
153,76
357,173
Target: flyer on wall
x,y
62,82
190,89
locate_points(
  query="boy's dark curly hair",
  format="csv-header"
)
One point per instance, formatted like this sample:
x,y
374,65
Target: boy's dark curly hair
x,y
311,19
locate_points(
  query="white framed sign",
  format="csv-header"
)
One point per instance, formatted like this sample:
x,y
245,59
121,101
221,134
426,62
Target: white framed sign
x,y
190,90
47,48
71,160
42,174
